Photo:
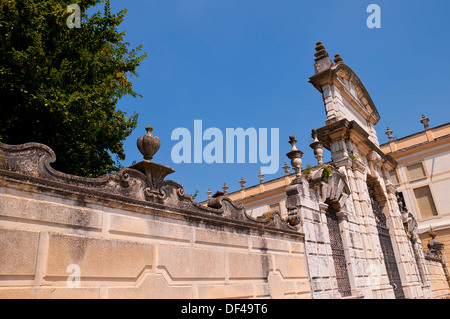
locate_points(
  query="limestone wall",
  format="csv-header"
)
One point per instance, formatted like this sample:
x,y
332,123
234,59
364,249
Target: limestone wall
x,y
63,241
437,264
438,278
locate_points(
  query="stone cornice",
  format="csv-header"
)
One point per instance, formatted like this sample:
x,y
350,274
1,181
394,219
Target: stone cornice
x,y
352,129
141,184
330,76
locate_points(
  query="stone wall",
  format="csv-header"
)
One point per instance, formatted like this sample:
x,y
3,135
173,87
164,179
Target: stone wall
x,y
438,278
131,235
435,248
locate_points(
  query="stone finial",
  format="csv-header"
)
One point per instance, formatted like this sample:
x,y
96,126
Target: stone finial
x,y
425,121
225,188
261,177
322,60
242,182
293,143
389,134
338,59
148,144
317,146
314,135
320,51
295,156
319,46
155,173
209,193
286,168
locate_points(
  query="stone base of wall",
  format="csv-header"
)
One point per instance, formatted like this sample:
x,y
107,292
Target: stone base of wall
x,y
439,280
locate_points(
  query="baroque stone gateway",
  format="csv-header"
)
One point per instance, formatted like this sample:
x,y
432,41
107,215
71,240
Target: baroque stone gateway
x,y
135,234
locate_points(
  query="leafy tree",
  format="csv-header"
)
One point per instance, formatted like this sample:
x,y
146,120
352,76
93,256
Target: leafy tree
x,y
60,86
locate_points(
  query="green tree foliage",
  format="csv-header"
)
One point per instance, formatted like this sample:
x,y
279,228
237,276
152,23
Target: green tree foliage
x,y
60,86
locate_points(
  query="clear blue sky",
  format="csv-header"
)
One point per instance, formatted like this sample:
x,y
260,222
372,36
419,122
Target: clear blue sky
x,y
245,63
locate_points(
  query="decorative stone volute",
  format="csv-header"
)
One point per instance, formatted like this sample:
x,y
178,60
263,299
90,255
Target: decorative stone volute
x,y
216,200
148,144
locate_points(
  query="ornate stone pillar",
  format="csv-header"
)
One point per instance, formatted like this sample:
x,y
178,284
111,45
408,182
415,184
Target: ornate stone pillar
x,y
305,212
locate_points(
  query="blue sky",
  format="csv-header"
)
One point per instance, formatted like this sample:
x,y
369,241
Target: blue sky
x,y
245,63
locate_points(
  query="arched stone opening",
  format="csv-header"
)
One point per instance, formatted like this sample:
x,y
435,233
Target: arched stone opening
x,y
337,248
378,202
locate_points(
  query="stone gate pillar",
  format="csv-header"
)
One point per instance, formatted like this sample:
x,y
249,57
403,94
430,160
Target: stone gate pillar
x,y
312,221
350,136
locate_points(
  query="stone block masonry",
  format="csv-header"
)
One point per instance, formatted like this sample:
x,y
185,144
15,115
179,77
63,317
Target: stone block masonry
x,y
132,239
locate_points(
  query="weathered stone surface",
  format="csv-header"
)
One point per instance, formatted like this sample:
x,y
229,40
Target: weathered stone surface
x,y
191,263
279,287
291,267
127,225
303,288
49,293
298,248
249,265
264,244
217,237
153,286
96,257
18,252
236,290
45,211
261,290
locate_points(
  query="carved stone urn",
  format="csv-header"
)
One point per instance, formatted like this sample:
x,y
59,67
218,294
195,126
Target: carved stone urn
x,y
317,147
148,144
296,158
